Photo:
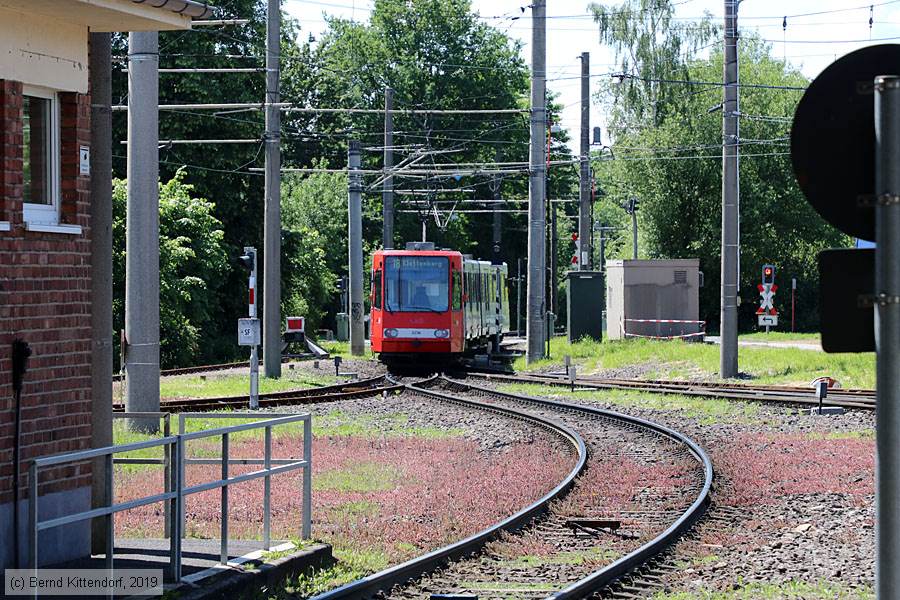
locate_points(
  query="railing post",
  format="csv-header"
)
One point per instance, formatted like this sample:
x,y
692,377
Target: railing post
x,y
180,465
167,474
267,490
307,478
110,518
32,517
224,541
177,508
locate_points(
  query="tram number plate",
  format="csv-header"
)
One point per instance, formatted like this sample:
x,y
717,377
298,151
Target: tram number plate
x,y
248,332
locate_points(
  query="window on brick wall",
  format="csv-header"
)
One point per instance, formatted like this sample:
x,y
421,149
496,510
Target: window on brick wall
x,y
41,153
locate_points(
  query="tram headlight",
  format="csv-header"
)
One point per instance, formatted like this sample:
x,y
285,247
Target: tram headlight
x,y
390,333
442,333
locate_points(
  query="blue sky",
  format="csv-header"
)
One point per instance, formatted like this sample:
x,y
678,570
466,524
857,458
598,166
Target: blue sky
x,y
810,41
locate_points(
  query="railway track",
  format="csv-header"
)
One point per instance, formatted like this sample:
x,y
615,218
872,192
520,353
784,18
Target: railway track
x,y
590,546
362,388
851,398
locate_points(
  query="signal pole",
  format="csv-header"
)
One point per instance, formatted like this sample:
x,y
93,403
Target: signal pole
x,y
388,185
272,223
536,183
728,358
584,191
887,338
357,326
142,231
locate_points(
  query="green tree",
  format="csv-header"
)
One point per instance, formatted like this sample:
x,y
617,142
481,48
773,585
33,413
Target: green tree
x,y
192,265
435,54
650,45
675,171
221,172
314,219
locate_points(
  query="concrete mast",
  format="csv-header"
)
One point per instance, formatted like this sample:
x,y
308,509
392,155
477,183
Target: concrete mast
x,y
388,185
142,230
584,191
537,225
728,358
354,207
272,224
101,271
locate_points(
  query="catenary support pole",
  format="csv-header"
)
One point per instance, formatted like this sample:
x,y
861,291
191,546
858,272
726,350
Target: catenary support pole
x,y
272,222
554,261
536,184
497,229
887,333
728,357
387,195
101,272
142,231
519,281
584,191
357,326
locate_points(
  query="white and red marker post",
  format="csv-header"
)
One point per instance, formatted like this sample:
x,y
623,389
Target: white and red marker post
x,y
248,329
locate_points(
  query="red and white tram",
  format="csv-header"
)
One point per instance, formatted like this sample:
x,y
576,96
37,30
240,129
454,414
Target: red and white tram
x,y
435,305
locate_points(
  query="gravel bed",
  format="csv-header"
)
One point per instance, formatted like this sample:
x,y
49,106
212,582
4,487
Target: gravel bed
x,y
812,519
491,432
633,476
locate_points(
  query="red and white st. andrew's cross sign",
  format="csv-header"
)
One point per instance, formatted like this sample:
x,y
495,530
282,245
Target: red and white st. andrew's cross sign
x,y
767,293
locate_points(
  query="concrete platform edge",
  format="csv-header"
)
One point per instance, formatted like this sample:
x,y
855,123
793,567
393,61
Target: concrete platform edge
x,y
236,583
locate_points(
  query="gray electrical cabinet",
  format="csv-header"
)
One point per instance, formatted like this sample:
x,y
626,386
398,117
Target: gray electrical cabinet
x,y
586,302
653,299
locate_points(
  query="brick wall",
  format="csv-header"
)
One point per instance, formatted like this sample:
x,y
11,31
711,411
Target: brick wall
x,y
45,283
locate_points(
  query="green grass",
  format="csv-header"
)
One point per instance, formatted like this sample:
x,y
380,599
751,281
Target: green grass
x,y
333,424
562,558
682,360
488,586
795,590
707,411
360,477
779,336
211,386
349,511
342,349
351,563
339,423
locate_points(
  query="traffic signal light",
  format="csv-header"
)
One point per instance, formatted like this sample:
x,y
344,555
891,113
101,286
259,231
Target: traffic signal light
x,y
768,274
247,259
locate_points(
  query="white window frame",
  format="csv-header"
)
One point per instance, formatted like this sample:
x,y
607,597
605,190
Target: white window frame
x,y
38,216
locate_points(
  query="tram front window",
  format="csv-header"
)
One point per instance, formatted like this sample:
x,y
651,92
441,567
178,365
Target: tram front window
x,y
416,283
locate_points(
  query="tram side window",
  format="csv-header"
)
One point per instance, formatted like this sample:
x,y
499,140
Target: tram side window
x,y
376,286
457,291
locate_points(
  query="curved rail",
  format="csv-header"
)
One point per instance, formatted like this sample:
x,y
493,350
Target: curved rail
x,y
339,391
605,576
858,399
384,580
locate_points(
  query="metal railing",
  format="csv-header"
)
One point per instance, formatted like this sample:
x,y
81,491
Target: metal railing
x,y
174,461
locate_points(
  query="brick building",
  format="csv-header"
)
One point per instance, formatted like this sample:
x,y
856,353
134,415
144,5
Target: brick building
x,y
45,245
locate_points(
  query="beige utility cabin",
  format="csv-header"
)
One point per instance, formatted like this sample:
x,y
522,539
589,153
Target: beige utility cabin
x,y
653,299
45,250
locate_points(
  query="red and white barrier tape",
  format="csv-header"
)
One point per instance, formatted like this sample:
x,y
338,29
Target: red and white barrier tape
x,y
664,321
665,337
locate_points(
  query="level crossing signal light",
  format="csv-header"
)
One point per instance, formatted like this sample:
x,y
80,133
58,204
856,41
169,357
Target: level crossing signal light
x,y
768,274
247,259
